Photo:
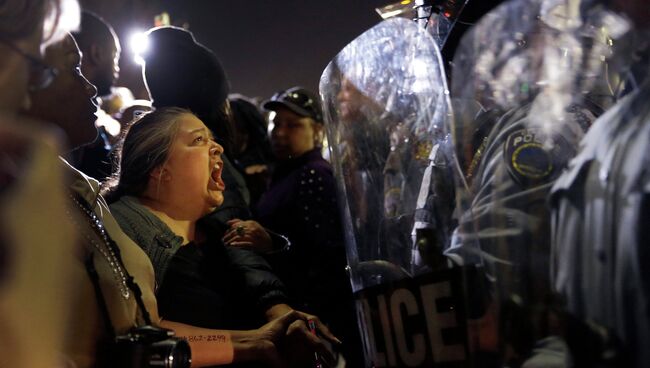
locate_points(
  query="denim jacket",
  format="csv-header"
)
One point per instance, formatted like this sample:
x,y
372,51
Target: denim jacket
x,y
161,244
148,231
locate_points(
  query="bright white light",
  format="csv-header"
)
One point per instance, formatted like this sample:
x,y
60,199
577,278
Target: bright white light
x,y
271,125
422,77
139,45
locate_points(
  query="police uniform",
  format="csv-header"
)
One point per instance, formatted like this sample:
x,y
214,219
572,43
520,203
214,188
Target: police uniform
x,y
434,209
600,211
506,227
406,163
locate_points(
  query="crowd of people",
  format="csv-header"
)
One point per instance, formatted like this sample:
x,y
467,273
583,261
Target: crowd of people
x,y
211,226
162,269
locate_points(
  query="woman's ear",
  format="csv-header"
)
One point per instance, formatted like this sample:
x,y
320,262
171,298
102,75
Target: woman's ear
x,y
160,174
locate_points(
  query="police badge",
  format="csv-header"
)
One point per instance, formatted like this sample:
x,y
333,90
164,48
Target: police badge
x,y
533,157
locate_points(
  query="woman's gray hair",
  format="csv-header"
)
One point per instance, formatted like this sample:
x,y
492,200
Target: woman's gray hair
x,y
19,19
146,146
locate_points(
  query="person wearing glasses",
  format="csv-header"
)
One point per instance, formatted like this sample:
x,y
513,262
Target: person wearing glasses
x,y
35,241
69,103
21,33
301,202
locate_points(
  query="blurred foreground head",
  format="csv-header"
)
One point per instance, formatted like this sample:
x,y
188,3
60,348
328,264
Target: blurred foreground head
x,y
25,27
69,100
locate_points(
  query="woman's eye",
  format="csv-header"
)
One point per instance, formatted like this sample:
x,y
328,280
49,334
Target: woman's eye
x,y
200,139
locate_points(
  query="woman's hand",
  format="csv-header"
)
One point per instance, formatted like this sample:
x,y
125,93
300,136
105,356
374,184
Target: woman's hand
x,y
248,234
308,340
263,344
304,337
217,347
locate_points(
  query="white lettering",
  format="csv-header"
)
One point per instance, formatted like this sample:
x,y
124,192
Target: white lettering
x,y
385,327
528,138
407,299
437,321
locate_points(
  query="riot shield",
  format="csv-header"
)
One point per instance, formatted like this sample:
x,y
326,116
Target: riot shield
x,y
386,108
437,17
528,81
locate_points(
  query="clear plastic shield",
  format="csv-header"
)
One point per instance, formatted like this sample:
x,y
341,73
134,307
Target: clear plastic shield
x,y
438,19
528,81
386,106
549,55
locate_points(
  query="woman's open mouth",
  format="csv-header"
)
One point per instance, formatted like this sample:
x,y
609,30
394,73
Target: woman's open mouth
x,y
215,176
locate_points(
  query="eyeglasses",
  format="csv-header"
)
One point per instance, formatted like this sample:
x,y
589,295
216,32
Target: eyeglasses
x,y
41,75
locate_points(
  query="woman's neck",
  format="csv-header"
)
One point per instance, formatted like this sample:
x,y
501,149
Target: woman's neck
x,y
182,227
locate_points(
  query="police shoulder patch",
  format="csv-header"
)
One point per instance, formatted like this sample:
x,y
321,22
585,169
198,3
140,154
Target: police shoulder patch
x,y
530,156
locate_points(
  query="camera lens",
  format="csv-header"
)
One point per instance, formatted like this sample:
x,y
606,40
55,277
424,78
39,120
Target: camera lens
x,y
170,353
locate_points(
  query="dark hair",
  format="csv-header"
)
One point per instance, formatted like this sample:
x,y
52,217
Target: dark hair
x,y
20,18
94,30
181,72
248,121
145,146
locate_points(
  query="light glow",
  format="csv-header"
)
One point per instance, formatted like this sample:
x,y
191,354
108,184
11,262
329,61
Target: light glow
x,y
139,45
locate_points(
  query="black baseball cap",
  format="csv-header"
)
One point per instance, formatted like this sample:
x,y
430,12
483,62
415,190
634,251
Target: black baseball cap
x,y
298,100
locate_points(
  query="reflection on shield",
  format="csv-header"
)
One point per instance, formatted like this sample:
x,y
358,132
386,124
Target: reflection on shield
x,y
386,107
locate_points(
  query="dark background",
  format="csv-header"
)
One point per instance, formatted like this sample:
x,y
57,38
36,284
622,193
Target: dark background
x,y
264,45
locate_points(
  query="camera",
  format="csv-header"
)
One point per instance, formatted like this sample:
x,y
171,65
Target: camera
x,y
149,346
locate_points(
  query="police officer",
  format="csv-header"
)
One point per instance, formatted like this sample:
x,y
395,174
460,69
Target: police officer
x,y
600,258
514,149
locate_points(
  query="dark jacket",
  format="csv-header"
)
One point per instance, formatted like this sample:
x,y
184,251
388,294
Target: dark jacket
x,y
161,245
301,203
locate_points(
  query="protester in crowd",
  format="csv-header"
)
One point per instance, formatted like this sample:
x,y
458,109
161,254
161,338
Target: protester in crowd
x,y
169,178
600,262
35,241
101,50
109,252
251,146
301,203
180,72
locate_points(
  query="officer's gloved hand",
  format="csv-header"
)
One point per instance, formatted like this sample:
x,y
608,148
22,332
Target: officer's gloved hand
x,y
430,249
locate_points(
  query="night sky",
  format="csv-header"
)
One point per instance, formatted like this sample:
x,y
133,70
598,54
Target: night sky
x,y
264,45
270,45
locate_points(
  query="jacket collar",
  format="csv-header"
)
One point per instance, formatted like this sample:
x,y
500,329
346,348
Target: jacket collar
x,y
147,222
